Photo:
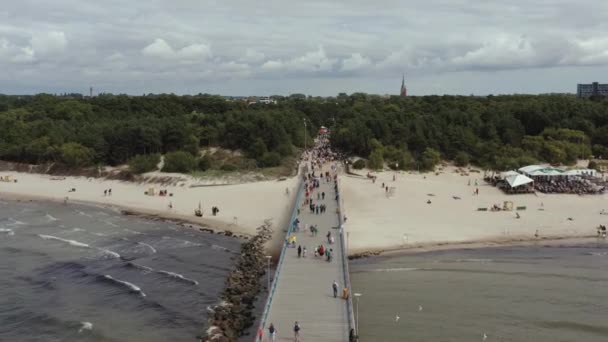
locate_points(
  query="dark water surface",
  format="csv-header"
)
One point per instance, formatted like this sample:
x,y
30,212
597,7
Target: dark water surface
x,y
509,294
77,273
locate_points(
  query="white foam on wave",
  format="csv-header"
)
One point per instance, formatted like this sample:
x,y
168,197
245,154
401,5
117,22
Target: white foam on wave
x,y
78,229
396,269
51,218
134,232
146,245
16,222
83,213
599,253
110,224
85,326
109,252
131,286
142,267
99,234
179,276
9,232
474,260
221,248
70,242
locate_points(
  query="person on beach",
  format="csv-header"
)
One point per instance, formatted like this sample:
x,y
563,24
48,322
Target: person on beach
x,y
105,192
321,250
299,251
328,237
296,332
323,195
335,288
109,192
272,332
304,252
328,254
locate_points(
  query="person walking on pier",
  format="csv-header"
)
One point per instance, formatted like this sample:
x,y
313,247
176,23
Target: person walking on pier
x,y
272,332
299,251
335,288
296,332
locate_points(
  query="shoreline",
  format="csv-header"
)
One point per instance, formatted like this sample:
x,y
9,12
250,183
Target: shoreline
x,y
548,241
146,214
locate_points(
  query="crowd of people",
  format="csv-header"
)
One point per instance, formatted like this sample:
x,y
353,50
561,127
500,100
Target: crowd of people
x,y
320,172
568,185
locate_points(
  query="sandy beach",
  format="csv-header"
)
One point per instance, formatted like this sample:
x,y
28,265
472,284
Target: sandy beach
x,y
243,207
377,222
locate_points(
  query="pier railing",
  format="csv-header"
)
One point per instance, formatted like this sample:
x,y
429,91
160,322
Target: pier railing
x,y
344,243
277,272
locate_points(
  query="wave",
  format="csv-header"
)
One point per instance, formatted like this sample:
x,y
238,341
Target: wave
x,y
85,326
173,275
139,267
474,260
78,230
221,248
179,277
51,218
83,213
132,287
16,222
70,242
134,232
109,252
8,232
575,326
110,224
146,245
598,253
397,269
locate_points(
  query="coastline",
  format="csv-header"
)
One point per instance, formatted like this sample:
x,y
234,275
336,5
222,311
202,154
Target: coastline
x,y
548,241
242,207
204,225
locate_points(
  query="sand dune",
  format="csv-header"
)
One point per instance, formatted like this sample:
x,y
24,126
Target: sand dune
x,y
405,220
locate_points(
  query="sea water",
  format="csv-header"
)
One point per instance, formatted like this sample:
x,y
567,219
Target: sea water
x,y
78,273
535,293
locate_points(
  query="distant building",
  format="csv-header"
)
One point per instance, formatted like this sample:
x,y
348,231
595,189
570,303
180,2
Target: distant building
x,y
593,89
403,92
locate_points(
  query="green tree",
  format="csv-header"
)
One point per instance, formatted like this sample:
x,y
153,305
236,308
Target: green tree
x,y
144,163
179,161
461,159
376,161
430,158
75,155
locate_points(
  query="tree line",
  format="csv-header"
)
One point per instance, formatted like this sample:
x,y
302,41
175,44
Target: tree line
x,y
498,132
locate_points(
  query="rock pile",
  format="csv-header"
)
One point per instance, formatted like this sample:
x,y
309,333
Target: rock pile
x,y
233,315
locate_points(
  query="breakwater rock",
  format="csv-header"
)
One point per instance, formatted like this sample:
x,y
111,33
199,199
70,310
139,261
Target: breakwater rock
x,y
230,318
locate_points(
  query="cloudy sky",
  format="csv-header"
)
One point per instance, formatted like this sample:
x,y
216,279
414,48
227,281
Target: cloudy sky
x,y
315,47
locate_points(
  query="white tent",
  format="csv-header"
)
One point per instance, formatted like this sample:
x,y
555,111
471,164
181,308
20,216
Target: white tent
x,y
517,180
531,168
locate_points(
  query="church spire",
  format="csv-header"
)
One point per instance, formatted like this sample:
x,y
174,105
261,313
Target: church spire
x,y
403,92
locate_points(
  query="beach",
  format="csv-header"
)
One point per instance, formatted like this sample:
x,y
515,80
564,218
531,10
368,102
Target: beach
x,y
242,207
405,220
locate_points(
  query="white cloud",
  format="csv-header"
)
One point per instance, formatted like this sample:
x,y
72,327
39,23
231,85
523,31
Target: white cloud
x,y
355,62
48,43
26,55
319,43
252,56
161,49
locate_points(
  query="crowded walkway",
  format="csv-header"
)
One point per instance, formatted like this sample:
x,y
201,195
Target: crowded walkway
x,y
310,289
